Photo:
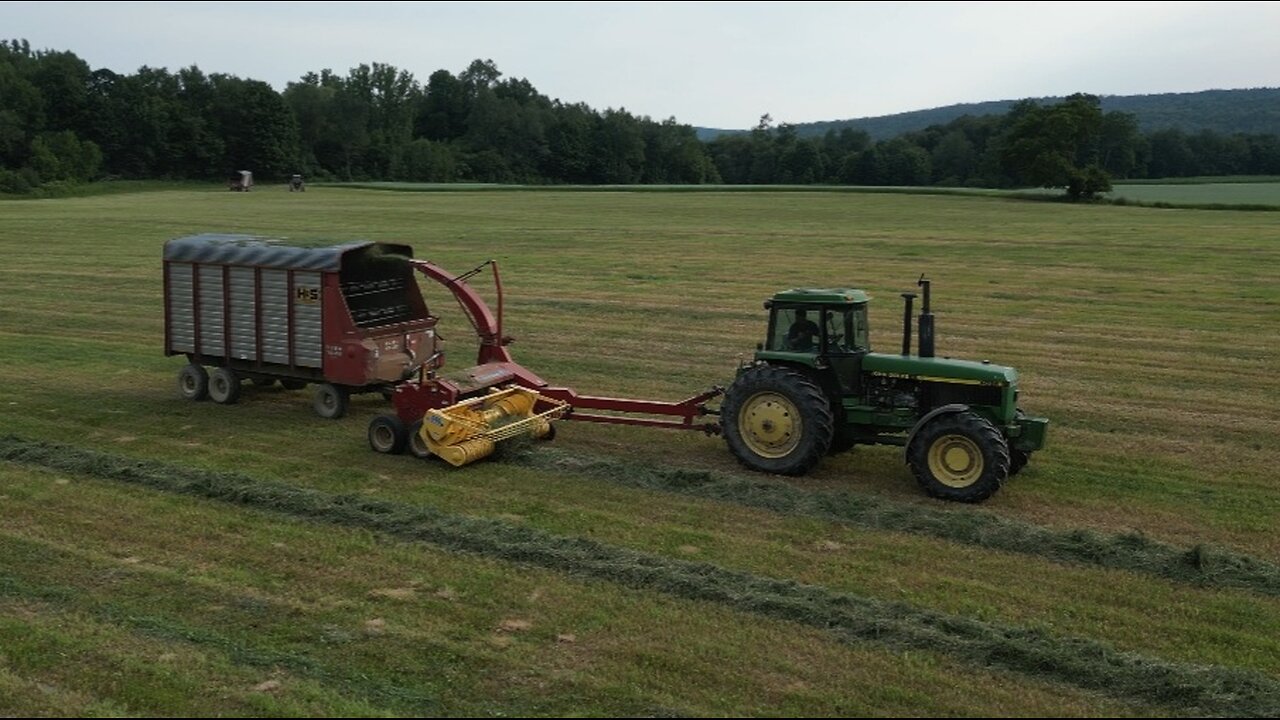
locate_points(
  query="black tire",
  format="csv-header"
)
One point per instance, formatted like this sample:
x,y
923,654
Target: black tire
x,y
415,444
776,420
1017,460
193,382
959,456
224,386
387,435
330,401
263,382
292,384
842,440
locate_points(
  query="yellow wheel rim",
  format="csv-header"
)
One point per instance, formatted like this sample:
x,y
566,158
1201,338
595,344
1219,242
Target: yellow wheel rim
x,y
770,425
955,461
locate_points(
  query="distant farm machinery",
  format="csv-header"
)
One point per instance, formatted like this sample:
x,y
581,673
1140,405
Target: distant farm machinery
x,y
814,387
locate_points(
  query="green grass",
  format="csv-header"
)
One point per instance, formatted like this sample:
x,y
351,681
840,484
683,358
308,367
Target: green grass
x,y
1140,333
1035,652
1237,191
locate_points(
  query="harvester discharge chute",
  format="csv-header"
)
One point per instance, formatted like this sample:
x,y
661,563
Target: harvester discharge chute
x,y
470,430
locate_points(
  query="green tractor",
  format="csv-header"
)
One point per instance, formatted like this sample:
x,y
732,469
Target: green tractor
x,y
815,388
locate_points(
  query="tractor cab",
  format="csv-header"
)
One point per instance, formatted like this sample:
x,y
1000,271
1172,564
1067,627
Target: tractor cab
x,y
805,325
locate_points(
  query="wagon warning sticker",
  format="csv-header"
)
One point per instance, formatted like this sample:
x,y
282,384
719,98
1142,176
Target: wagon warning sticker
x,y
306,295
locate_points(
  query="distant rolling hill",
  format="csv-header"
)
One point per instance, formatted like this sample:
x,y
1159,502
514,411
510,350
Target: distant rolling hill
x,y
1226,111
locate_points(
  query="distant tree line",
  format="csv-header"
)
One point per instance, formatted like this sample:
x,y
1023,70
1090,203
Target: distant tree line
x,y
1071,144
63,122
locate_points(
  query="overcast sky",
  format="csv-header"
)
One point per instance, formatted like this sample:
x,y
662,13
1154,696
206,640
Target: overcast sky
x,y
719,64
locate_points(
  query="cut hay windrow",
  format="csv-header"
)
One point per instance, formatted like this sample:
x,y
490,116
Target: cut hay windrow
x,y
1184,687
1201,565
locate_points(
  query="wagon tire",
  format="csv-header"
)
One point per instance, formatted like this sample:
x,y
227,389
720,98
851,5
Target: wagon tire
x,y
193,382
330,401
224,386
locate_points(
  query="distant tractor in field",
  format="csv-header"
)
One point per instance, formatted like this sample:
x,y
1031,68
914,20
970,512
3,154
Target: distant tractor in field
x,y
240,181
296,184
815,388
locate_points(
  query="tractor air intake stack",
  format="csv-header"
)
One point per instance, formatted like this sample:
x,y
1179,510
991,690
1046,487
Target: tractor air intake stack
x,y
926,321
906,323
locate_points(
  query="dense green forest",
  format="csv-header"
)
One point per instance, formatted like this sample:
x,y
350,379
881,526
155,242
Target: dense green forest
x,y
62,122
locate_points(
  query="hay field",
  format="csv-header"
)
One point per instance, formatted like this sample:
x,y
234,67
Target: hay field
x,y
165,557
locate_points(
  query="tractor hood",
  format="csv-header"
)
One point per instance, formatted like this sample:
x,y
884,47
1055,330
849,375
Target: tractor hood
x,y
939,369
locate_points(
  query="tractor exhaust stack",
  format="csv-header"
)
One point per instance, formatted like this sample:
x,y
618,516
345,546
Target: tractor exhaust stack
x,y
906,323
926,320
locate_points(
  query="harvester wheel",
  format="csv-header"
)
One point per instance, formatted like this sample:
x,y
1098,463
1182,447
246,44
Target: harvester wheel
x,y
224,386
387,435
1017,460
291,384
960,456
193,382
417,447
330,401
777,420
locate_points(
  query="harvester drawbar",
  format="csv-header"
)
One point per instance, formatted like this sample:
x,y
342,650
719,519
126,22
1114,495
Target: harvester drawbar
x,y
351,318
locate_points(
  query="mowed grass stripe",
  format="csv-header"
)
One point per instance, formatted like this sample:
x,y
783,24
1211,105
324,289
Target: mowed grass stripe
x,y
1201,565
379,692
1085,663
208,565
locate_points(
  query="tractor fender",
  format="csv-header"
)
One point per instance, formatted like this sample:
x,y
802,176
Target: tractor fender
x,y
944,410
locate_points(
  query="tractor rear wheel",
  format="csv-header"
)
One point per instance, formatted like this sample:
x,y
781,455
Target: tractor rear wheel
x,y
776,420
330,401
193,382
224,386
960,456
387,435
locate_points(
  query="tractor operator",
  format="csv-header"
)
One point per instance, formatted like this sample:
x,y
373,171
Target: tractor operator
x,y
801,334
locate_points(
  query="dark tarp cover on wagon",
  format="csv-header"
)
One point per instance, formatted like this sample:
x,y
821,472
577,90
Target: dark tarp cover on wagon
x,y
266,252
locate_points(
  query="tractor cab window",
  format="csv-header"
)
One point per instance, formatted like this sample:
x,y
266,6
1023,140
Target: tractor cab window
x,y
846,329
795,330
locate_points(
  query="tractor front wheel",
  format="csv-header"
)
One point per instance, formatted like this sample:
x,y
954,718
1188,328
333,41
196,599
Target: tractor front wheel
x,y
776,420
960,456
1018,459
